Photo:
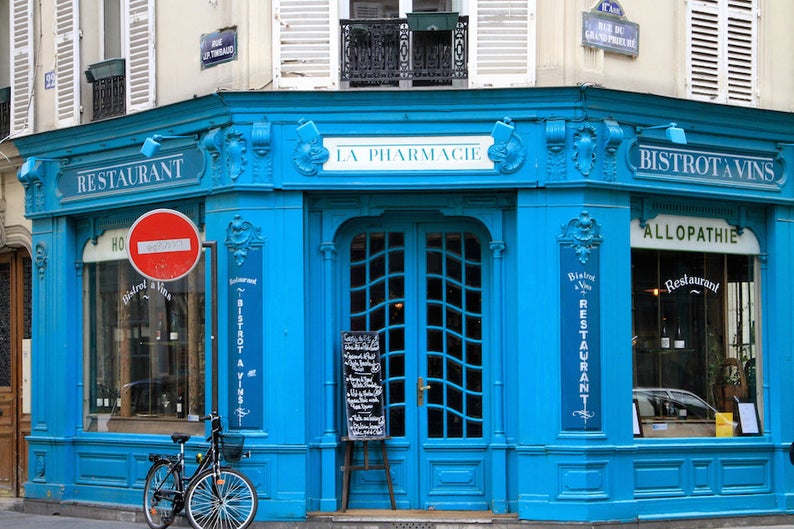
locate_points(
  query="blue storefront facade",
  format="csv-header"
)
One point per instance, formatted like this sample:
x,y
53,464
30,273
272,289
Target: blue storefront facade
x,y
545,268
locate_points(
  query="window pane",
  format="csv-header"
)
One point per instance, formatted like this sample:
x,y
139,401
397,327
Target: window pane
x,y
695,353
145,349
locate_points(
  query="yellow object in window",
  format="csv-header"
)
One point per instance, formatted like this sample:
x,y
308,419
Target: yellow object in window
x,y
724,424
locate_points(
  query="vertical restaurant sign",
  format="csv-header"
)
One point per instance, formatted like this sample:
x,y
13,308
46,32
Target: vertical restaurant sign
x,y
581,340
246,347
363,385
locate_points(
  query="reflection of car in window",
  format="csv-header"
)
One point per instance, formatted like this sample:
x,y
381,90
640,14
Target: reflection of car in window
x,y
668,402
152,396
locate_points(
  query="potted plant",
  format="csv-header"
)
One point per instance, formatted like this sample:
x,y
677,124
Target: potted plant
x,y
104,69
432,21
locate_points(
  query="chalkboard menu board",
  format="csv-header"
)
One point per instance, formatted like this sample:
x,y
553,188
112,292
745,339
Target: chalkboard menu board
x,y
363,386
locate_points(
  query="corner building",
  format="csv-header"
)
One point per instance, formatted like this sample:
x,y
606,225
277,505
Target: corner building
x,y
579,319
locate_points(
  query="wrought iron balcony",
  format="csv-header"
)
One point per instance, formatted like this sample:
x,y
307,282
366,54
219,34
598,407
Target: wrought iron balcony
x,y
5,119
5,112
397,52
109,97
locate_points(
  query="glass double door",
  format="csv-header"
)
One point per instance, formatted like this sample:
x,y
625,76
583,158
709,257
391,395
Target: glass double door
x,y
421,286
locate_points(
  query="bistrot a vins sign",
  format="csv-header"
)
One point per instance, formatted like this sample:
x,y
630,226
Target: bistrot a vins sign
x,y
700,166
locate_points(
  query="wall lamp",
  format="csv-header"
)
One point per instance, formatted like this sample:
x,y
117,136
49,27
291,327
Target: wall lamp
x,y
152,144
673,132
32,166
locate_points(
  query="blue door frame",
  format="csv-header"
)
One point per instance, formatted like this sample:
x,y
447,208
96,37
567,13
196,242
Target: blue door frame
x,y
420,284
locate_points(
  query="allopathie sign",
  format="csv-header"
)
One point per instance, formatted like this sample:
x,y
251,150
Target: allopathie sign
x,y
762,172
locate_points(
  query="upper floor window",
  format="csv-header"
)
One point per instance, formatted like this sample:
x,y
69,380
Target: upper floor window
x,y
722,50
383,43
111,22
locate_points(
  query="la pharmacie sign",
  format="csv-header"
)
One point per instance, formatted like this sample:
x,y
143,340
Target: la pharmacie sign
x,y
398,153
683,164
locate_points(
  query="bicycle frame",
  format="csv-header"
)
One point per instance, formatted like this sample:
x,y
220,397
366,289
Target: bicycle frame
x,y
211,458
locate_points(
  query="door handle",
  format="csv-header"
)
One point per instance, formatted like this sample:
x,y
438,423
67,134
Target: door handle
x,y
420,391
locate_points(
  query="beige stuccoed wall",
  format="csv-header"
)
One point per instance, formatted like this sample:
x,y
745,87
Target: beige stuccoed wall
x,y
776,39
16,228
180,25
178,30
661,65
563,61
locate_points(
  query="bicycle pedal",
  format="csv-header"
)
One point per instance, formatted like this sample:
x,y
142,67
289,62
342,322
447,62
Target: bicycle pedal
x,y
220,481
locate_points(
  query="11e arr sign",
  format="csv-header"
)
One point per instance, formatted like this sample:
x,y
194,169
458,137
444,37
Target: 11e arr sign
x,y
218,47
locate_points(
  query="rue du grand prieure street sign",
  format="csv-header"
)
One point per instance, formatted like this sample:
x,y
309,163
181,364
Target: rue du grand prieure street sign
x,y
606,27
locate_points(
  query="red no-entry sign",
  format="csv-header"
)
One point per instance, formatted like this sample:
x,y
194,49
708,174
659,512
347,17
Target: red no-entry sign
x,y
163,245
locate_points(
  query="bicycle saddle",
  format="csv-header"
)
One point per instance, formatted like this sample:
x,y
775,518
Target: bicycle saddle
x,y
180,438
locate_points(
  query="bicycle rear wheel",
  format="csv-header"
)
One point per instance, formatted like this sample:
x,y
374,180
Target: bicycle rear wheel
x,y
228,503
160,502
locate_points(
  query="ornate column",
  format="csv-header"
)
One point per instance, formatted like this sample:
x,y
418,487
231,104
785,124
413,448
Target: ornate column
x,y
498,441
328,444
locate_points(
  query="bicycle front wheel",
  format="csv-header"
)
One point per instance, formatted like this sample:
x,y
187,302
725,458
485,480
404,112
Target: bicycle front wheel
x,y
229,502
160,495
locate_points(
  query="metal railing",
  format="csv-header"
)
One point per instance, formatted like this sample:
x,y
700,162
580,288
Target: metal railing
x,y
5,119
386,52
109,97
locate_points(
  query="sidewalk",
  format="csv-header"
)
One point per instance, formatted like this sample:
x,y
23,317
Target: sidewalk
x,y
13,516
20,520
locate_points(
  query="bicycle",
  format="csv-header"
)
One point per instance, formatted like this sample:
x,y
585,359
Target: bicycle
x,y
213,497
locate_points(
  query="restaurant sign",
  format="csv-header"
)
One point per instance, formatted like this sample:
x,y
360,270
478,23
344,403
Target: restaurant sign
x,y
702,166
131,174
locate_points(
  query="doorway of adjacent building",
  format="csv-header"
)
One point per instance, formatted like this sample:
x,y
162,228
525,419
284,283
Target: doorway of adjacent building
x,y
15,304
421,285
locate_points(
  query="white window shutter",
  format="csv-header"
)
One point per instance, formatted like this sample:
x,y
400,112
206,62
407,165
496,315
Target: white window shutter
x,y
704,50
741,52
67,63
22,67
722,51
502,35
306,44
139,42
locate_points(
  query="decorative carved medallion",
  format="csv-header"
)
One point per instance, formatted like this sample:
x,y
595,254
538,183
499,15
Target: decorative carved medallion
x,y
242,236
582,233
507,152
584,149
309,154
235,153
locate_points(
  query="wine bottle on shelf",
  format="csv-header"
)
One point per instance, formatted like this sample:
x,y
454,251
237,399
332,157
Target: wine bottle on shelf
x,y
180,409
174,327
679,342
664,341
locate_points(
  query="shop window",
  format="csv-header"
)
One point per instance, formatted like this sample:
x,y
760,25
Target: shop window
x,y
145,365
695,349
